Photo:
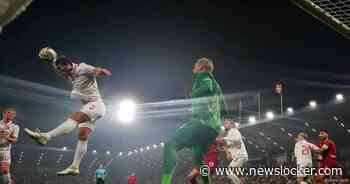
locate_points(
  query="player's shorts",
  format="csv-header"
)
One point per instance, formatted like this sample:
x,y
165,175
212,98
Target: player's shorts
x,y
328,163
95,110
5,157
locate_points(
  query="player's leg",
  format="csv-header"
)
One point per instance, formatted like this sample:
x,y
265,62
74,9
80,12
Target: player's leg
x,y
5,162
236,163
205,138
80,151
185,136
5,170
66,127
192,177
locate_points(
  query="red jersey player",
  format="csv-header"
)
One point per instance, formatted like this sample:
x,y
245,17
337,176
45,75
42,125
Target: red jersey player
x,y
210,160
327,151
132,179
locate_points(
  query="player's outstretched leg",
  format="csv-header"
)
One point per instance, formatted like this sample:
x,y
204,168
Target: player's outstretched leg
x,y
43,138
169,162
80,151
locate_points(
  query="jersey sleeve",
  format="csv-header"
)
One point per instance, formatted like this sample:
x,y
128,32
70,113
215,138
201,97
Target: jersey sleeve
x,y
206,86
313,147
84,68
15,132
232,137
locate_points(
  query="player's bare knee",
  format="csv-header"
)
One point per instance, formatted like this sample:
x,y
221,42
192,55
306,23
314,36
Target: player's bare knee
x,y
5,170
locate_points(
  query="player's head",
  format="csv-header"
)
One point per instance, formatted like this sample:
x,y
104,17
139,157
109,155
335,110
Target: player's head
x,y
323,134
9,114
301,136
203,65
64,65
229,123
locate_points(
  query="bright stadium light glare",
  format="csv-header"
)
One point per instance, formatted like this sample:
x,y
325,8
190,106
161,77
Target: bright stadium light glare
x,y
126,111
64,148
108,152
252,119
120,154
290,110
339,97
147,148
162,144
270,115
94,152
313,104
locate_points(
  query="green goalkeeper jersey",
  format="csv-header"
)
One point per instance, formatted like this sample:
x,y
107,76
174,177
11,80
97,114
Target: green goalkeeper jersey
x,y
208,104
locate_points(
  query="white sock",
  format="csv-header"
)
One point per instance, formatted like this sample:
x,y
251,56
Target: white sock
x,y
66,127
80,151
6,178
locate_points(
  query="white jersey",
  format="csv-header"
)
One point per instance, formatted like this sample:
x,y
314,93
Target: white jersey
x,y
302,152
84,86
233,136
10,129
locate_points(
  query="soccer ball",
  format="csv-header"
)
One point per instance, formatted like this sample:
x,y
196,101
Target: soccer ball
x,y
48,53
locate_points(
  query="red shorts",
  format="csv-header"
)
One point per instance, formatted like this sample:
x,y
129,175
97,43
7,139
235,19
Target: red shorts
x,y
328,163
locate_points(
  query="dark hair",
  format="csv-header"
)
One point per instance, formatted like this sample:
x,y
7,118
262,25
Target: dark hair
x,y
62,60
324,130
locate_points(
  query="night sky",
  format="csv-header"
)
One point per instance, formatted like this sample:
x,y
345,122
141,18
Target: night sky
x,y
151,46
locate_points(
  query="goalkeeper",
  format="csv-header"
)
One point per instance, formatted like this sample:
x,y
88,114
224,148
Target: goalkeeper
x,y
201,130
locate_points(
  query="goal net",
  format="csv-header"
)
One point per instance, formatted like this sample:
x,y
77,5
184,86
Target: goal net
x,y
334,13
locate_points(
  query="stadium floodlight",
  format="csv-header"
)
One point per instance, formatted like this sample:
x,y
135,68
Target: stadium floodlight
x,y
290,110
270,115
162,144
313,104
108,152
335,118
148,148
94,152
64,148
155,146
252,119
120,154
339,97
126,111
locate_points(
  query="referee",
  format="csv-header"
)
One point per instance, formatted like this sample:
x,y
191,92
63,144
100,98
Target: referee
x,y
100,175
